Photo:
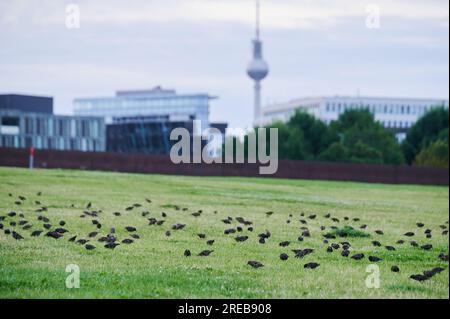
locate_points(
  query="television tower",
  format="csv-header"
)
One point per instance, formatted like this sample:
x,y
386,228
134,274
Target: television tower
x,y
257,69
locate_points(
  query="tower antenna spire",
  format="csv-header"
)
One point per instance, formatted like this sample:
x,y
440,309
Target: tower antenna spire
x,y
257,19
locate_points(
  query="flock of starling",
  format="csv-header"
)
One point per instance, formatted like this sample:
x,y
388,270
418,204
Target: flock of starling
x,y
239,228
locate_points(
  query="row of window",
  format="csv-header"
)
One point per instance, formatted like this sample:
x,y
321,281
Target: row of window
x,y
386,109
55,143
61,127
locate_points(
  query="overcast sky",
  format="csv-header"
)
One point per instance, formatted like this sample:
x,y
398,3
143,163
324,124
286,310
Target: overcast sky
x,y
313,47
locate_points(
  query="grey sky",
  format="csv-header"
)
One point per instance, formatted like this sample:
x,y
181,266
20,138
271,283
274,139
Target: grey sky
x,y
313,47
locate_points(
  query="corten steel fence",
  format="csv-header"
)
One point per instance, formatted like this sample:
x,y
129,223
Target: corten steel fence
x,y
286,169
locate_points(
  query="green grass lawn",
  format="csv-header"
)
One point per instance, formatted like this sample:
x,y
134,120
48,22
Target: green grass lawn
x,y
154,265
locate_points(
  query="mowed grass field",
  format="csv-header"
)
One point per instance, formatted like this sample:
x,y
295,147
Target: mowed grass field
x,y
154,265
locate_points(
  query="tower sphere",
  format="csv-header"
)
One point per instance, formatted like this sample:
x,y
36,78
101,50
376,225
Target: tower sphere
x,y
258,69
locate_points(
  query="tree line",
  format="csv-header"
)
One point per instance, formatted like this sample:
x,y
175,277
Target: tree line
x,y
356,137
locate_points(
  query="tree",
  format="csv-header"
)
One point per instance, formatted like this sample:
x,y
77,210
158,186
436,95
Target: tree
x,y
431,127
435,155
365,140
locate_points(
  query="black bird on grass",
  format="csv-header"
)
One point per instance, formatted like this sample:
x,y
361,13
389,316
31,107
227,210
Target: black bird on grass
x,y
395,269
89,205
345,253
284,243
409,234
311,265
335,246
7,231
47,226
111,245
400,242
419,277
284,256
36,233
61,230
187,253
390,248
229,231
241,238
269,214
12,214
255,264
374,259
23,222
26,227
363,226
62,223
54,234
117,214
82,241
329,249
89,247
299,253
357,256
420,225
72,239
376,243
443,257
327,216
206,253
196,214
431,273
262,240
160,222
130,229
239,229
93,234
210,242
16,236
379,232
414,243
167,233
201,236
426,247
135,236
127,241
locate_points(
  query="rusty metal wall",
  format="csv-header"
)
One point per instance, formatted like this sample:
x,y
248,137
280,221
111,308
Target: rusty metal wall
x,y
286,169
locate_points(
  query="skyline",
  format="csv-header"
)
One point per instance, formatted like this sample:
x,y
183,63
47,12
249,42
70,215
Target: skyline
x,y
312,47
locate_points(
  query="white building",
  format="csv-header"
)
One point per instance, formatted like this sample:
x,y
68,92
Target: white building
x,y
396,113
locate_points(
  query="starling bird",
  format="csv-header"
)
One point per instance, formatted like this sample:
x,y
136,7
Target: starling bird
x,y
250,229
356,219
284,256
16,236
135,236
302,253
160,222
395,269
269,214
327,216
117,214
376,243
61,230
420,225
197,214
379,232
229,231
414,243
210,242
311,265
130,229
255,264
284,243
72,239
374,259
312,216
205,253
36,233
187,253
390,248
363,226
12,214
178,226
400,242
335,246
329,249
62,223
47,226
7,231
89,247
23,222
239,229
89,205
82,241
54,234
127,241
426,247
300,238
111,245
262,240
26,227
409,234
419,277
345,253
443,257
168,233
241,238
358,256
201,236
93,234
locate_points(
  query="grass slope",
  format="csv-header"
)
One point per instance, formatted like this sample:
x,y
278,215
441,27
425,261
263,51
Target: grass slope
x,y
154,266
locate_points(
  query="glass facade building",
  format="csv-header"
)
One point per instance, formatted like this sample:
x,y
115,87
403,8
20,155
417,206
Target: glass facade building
x,y
155,102
47,131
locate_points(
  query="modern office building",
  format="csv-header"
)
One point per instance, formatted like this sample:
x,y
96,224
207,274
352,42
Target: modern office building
x,y
27,121
395,113
141,103
26,103
140,121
